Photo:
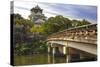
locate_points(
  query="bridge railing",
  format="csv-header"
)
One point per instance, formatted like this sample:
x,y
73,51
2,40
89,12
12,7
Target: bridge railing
x,y
87,33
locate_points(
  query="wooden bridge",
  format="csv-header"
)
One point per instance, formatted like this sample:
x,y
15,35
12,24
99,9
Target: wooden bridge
x,y
79,42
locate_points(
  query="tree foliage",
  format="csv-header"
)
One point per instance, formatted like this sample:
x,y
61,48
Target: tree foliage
x,y
59,23
29,38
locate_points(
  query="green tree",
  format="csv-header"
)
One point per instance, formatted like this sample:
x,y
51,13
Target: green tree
x,y
76,23
55,24
29,38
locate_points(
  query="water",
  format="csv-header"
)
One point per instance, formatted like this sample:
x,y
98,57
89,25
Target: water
x,y
38,59
48,59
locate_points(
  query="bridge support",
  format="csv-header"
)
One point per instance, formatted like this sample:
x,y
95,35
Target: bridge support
x,y
67,58
53,52
49,49
64,50
49,58
81,56
68,55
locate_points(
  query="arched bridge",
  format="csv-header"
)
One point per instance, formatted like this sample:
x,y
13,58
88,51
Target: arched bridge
x,y
82,39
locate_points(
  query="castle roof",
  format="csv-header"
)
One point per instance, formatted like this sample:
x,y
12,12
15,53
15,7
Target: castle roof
x,y
39,21
36,7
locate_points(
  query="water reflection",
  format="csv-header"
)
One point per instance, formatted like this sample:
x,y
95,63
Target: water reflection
x,y
42,59
38,59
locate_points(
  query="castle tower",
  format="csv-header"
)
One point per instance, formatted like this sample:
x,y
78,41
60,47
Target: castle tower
x,y
37,16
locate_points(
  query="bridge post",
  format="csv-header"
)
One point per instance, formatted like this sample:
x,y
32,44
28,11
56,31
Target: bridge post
x,y
49,58
68,55
81,56
64,50
53,51
48,49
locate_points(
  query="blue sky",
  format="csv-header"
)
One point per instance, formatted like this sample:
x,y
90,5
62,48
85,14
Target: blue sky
x,y
78,12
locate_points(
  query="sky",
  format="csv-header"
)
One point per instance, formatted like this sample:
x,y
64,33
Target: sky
x,y
70,11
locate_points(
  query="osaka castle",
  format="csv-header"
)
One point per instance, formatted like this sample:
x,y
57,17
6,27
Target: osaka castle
x,y
37,16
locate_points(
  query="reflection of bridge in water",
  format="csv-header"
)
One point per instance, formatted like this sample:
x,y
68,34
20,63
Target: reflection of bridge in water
x,y
77,44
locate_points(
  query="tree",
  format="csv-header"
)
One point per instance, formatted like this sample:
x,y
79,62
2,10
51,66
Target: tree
x,y
30,39
55,24
76,23
18,16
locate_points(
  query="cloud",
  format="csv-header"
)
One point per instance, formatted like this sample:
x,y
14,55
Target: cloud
x,y
53,9
74,11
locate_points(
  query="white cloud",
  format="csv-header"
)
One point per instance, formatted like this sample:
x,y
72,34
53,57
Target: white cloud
x,y
53,9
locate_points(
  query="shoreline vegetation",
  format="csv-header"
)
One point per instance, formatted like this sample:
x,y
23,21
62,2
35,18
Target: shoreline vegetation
x,y
29,39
